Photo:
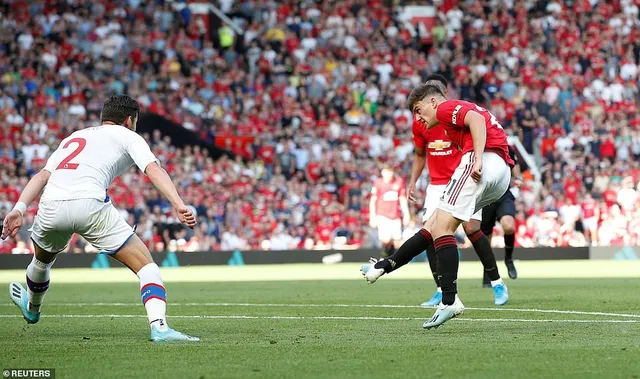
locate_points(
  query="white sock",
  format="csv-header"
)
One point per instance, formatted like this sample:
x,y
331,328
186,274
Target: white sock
x,y
496,282
153,295
439,289
37,283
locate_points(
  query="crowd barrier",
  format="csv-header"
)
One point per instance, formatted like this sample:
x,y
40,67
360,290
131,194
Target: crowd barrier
x,y
99,261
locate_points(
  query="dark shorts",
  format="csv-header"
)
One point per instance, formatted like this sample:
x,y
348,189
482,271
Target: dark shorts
x,y
505,206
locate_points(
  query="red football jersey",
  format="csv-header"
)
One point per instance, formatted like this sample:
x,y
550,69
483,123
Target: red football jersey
x,y
451,114
442,157
589,207
388,197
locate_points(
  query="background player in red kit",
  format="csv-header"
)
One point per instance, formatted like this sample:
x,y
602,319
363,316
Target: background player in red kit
x,y
590,217
388,198
443,160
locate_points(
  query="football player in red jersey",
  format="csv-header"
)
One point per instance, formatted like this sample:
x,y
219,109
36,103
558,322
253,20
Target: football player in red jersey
x,y
388,197
480,137
590,217
443,160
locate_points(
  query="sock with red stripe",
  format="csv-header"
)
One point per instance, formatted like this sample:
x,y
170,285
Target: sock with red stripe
x,y
37,283
409,250
154,296
485,253
448,262
509,241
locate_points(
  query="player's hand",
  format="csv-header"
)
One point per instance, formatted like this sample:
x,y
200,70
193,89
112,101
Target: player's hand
x,y
516,182
476,173
411,192
186,217
11,224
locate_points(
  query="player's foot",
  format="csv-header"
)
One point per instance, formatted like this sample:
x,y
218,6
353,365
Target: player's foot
x,y
170,335
511,268
486,283
434,301
445,313
20,298
370,272
500,294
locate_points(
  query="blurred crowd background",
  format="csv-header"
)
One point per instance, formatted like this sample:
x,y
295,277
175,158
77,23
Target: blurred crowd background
x,y
309,99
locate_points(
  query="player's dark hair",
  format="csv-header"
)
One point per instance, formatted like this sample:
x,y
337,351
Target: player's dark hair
x,y
420,92
117,108
437,78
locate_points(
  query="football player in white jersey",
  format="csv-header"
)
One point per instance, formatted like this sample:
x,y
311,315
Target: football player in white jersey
x,y
75,181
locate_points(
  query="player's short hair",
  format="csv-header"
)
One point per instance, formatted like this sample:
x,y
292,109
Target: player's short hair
x,y
420,92
118,107
438,81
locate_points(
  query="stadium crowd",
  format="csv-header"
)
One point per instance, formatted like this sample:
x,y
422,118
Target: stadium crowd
x,y
319,90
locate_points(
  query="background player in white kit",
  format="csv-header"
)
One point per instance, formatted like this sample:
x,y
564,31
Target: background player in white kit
x,y
75,181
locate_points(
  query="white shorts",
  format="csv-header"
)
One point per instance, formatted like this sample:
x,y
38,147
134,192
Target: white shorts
x,y
590,223
463,196
431,201
97,222
389,229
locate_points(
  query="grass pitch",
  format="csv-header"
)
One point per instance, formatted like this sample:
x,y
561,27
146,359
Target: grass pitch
x,y
265,328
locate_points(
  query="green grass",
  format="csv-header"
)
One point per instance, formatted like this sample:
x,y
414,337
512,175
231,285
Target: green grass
x,y
484,343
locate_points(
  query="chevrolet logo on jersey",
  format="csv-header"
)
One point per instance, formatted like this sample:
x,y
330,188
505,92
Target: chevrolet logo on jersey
x,y
439,145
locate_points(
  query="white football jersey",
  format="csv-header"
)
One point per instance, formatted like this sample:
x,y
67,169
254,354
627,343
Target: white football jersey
x,y
86,162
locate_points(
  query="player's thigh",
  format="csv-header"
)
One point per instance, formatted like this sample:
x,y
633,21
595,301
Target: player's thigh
x,y
51,231
384,233
445,224
459,197
134,254
496,176
431,201
105,228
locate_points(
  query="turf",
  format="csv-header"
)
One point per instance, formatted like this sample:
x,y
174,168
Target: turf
x,y
333,329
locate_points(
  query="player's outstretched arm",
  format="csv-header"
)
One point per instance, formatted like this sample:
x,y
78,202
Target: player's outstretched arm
x,y
477,126
13,221
163,183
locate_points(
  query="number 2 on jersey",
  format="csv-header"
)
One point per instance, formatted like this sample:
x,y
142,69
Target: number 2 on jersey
x,y
66,163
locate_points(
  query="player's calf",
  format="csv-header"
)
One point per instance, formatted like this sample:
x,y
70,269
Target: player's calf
x,y
135,255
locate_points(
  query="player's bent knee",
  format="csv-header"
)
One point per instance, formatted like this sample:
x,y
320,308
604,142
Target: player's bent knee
x,y
43,255
134,254
508,224
445,224
471,227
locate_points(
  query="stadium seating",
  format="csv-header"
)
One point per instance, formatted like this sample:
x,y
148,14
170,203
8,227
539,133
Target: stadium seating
x,y
310,100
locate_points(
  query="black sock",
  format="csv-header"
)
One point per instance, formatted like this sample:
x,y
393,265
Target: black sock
x,y
433,261
485,253
409,250
509,241
448,261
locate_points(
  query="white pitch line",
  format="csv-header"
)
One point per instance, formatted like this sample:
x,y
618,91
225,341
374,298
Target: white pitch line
x,y
365,318
527,310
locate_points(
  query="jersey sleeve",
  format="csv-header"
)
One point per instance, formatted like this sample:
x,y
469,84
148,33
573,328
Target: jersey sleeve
x,y
140,153
452,112
418,138
54,159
